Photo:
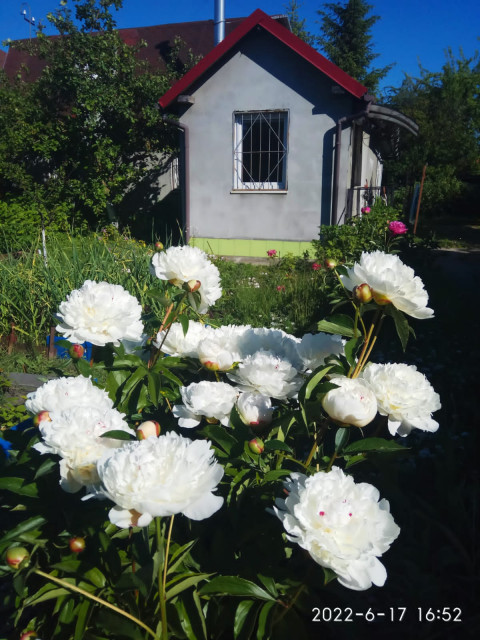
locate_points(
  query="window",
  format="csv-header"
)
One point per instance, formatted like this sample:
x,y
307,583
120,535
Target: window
x,y
260,150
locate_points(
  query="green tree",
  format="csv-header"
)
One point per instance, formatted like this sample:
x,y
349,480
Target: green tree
x,y
346,40
297,23
446,106
88,130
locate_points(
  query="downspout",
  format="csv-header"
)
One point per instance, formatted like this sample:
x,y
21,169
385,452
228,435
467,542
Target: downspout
x,y
186,186
338,147
219,21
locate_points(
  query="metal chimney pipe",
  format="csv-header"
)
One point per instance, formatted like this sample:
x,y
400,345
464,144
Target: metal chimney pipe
x,y
219,21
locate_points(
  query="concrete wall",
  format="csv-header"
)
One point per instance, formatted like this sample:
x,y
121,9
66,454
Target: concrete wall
x,y
262,75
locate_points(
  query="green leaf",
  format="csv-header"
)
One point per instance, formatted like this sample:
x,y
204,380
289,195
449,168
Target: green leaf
x,y
50,594
373,444
118,434
18,486
353,460
339,324
96,577
275,474
244,623
81,620
277,445
184,322
351,349
83,367
234,586
401,324
220,436
23,527
312,383
263,620
341,438
186,584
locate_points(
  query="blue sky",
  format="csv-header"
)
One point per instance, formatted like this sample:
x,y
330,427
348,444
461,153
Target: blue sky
x,y
409,31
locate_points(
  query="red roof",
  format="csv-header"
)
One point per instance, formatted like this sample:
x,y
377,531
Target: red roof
x,y
259,18
160,39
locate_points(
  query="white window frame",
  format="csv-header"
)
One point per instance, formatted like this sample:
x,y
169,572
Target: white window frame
x,y
243,122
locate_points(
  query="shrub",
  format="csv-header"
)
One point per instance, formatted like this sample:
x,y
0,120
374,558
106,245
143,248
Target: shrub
x,y
21,224
363,233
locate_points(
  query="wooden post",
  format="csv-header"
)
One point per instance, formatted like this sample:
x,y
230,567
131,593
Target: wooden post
x,y
51,352
419,199
12,338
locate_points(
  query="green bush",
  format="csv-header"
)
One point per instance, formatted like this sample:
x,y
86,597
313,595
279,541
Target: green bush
x,y
363,233
21,224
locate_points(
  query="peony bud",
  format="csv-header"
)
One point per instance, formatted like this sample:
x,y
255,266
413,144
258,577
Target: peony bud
x,y
147,429
193,285
210,365
159,246
256,446
76,351
40,417
316,266
330,263
15,556
29,635
365,209
77,545
362,293
351,403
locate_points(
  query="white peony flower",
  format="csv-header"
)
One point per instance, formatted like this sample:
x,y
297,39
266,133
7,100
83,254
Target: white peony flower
x,y
179,344
214,400
342,525
100,313
391,281
352,403
277,342
161,477
255,409
75,435
313,349
65,393
404,395
186,264
267,374
222,347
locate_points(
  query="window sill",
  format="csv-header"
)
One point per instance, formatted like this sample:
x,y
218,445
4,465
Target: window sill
x,y
281,192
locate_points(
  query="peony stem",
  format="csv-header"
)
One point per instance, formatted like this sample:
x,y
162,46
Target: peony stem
x,y
364,355
316,440
367,350
104,603
165,564
161,588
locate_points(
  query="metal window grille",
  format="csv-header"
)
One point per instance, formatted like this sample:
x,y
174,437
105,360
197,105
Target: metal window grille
x,y
260,150
174,174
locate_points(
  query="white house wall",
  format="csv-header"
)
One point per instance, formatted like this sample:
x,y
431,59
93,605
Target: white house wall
x,y
264,75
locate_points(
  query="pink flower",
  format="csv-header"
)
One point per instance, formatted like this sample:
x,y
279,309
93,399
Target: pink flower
x,y
316,266
365,209
271,253
281,287
397,228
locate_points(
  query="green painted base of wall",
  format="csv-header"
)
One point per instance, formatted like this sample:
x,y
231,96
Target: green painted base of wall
x,y
250,248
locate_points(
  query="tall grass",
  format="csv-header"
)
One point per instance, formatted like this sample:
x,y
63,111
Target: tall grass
x,y
31,288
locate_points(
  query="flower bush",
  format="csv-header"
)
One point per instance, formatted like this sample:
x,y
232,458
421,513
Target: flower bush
x,y
171,471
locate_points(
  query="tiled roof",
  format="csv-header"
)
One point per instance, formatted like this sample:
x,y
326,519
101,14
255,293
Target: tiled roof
x,y
198,36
